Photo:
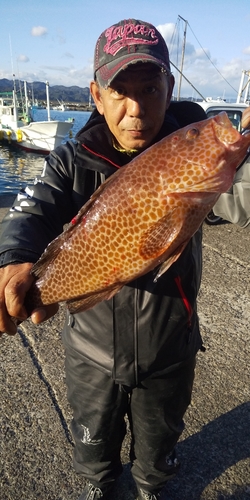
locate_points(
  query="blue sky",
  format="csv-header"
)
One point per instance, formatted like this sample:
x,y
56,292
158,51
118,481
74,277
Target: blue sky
x,y
54,41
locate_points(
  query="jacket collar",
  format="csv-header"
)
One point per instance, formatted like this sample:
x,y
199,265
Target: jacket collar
x,y
95,142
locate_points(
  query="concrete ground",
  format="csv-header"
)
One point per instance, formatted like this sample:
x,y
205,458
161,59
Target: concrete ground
x,y
35,440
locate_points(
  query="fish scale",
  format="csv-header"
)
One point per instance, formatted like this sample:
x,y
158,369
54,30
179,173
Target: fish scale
x,y
140,217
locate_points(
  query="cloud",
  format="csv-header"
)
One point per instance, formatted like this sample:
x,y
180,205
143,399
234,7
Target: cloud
x,y
23,58
167,31
39,31
202,69
68,55
209,82
60,69
60,37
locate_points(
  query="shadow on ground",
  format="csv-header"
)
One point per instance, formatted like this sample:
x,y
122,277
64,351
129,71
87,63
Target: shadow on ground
x,y
205,456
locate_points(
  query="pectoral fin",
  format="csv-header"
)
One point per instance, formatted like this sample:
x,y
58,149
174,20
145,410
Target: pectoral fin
x,y
158,238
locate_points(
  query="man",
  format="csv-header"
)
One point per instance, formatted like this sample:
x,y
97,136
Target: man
x,y
134,354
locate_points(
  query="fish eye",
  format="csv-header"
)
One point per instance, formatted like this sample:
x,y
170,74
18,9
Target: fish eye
x,y
192,133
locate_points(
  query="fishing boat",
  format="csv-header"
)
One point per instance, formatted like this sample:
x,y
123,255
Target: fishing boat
x,y
17,125
61,106
234,110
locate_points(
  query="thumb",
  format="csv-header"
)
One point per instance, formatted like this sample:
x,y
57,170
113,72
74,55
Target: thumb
x,y
43,313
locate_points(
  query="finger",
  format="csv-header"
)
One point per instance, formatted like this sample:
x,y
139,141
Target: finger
x,y
15,292
14,280
7,325
245,120
44,313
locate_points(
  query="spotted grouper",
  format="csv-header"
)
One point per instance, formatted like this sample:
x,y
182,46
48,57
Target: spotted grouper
x,y
142,217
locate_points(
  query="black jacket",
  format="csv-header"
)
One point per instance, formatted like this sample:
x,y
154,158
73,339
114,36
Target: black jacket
x,y
148,326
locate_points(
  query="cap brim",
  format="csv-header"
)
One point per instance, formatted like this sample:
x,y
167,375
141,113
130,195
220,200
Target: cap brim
x,y
106,73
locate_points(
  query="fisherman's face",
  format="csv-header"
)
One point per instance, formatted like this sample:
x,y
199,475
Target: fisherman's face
x,y
134,104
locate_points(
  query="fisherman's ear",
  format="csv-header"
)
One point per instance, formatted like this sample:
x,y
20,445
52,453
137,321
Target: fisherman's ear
x,y
96,94
171,82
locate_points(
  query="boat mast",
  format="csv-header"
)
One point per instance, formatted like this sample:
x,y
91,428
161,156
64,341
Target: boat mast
x,y
48,104
242,87
32,94
182,57
246,99
15,105
185,78
14,84
26,100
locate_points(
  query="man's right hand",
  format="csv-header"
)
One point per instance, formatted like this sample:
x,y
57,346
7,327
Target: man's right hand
x,y
15,281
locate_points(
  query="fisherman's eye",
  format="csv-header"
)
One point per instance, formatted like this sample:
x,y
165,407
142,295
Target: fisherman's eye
x,y
192,133
150,90
119,91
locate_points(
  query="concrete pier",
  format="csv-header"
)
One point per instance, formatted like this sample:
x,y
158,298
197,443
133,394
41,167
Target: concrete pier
x,y
35,439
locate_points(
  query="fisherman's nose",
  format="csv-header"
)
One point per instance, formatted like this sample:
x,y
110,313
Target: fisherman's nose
x,y
135,107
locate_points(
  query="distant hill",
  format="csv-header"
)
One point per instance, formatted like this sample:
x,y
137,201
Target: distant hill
x,y
72,94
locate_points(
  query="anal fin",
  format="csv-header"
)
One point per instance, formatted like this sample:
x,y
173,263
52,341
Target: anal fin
x,y
171,259
86,302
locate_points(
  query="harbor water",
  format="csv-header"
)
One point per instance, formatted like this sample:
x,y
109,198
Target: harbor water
x,y
18,167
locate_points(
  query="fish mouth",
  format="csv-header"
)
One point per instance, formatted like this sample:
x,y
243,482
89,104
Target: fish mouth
x,y
222,119
224,130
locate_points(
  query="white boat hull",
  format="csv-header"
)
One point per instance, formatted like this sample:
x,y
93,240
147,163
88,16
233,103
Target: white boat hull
x,y
40,137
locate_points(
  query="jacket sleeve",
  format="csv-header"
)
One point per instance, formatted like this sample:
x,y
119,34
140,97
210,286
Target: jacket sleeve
x,y
234,205
40,210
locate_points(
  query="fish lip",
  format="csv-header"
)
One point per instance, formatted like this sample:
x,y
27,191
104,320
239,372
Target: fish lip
x,y
222,119
221,123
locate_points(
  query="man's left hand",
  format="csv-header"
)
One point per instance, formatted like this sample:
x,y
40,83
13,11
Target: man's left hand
x,y
245,120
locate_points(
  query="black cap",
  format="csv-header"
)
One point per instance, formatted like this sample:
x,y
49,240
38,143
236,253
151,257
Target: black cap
x,y
128,42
